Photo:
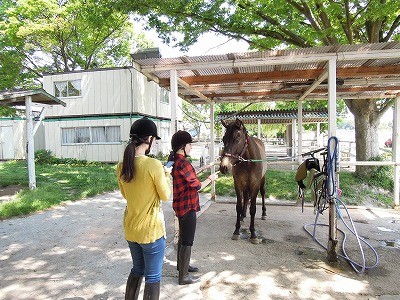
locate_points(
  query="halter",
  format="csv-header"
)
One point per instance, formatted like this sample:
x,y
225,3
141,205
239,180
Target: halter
x,y
238,157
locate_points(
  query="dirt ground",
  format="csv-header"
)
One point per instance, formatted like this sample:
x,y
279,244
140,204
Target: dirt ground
x,y
9,192
77,252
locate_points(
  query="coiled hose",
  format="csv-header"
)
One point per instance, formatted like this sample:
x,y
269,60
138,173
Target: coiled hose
x,y
332,192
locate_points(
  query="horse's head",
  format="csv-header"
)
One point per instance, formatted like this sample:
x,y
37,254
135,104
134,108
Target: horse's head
x,y
235,144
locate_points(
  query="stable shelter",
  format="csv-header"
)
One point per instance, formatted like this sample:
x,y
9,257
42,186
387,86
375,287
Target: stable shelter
x,y
287,117
365,71
26,99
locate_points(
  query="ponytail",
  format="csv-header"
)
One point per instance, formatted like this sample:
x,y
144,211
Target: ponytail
x,y
128,162
171,156
128,166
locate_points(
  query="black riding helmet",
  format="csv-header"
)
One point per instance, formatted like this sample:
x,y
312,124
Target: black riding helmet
x,y
144,127
180,139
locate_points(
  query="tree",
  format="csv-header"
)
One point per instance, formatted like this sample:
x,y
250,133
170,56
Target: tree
x,y
292,23
61,36
38,36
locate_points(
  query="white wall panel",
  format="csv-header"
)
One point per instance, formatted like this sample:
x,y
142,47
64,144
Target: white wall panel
x,y
90,152
107,93
16,128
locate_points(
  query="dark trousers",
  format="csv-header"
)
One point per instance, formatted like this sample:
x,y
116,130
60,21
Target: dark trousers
x,y
187,228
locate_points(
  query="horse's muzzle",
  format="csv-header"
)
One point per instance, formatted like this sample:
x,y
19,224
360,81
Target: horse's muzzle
x,y
223,169
225,166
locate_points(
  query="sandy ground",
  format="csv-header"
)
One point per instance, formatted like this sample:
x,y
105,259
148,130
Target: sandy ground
x,y
77,252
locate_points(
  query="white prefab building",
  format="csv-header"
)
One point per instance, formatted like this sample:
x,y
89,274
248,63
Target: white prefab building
x,y
12,138
100,107
94,125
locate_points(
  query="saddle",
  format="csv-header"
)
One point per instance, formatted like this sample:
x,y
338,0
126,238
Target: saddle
x,y
311,166
307,165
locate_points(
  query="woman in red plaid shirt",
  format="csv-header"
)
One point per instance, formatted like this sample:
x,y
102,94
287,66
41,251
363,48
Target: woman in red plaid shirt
x,y
185,201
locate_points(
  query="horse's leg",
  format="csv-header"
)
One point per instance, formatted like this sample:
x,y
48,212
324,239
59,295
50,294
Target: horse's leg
x,y
245,205
253,237
239,209
262,191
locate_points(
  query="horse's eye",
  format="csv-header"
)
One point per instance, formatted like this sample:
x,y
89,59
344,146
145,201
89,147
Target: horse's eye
x,y
237,136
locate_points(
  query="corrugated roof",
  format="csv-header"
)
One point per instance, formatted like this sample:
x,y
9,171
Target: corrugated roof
x,y
275,116
17,98
281,74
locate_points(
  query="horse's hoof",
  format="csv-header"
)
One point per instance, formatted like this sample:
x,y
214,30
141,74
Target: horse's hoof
x,y
263,217
255,240
235,237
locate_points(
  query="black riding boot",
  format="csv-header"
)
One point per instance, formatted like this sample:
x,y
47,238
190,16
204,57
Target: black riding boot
x,y
184,259
151,291
133,287
191,268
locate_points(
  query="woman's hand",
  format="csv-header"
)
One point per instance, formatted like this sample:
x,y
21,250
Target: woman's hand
x,y
168,169
213,176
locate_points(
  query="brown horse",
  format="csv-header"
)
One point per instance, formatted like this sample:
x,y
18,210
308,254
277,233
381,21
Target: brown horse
x,y
245,157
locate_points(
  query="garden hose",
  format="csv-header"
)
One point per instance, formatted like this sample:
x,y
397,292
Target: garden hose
x,y
332,193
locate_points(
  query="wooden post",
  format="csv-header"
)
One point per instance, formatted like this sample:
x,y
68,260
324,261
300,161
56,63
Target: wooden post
x,y
174,128
396,150
332,242
299,131
30,148
212,147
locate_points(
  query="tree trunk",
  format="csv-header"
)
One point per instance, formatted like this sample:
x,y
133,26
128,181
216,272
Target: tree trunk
x,y
366,119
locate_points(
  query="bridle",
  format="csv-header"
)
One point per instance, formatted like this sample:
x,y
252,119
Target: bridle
x,y
240,156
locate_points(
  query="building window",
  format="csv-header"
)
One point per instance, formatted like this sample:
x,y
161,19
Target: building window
x,y
91,135
70,88
165,131
106,134
164,96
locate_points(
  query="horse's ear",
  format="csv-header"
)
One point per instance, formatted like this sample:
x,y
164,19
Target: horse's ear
x,y
224,123
238,123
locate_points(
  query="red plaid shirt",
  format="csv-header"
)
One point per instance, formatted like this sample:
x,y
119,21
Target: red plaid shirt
x,y
186,186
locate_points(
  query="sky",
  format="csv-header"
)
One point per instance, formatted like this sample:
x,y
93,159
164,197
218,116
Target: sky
x,y
208,44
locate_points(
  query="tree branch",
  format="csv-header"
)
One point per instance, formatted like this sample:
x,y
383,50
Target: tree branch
x,y
291,36
396,23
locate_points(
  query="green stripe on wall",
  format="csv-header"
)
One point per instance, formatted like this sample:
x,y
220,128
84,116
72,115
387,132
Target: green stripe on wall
x,y
12,119
101,118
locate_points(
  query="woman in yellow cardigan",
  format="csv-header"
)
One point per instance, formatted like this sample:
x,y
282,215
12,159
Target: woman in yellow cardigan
x,y
144,184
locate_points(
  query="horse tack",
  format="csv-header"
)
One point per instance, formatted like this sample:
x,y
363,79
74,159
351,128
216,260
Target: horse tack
x,y
248,179
240,156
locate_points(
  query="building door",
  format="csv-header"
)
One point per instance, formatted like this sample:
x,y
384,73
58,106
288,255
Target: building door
x,y
6,142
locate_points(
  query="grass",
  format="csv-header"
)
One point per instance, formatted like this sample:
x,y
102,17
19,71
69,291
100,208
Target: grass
x,y
55,183
281,185
71,181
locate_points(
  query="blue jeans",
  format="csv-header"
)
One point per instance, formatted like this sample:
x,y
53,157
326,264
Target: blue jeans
x,y
148,259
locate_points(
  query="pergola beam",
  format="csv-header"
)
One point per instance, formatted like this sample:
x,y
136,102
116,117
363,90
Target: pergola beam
x,y
275,60
316,83
193,91
353,72
296,92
